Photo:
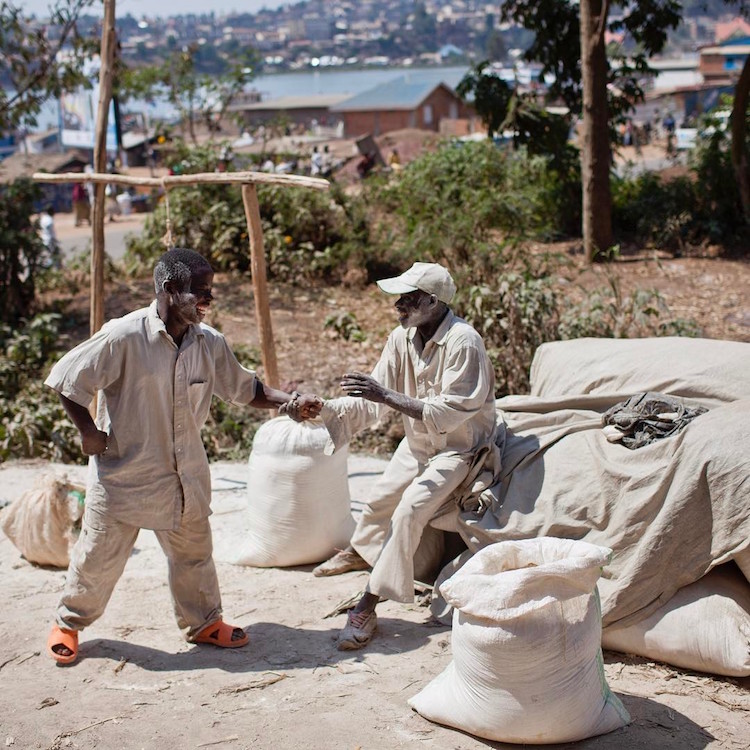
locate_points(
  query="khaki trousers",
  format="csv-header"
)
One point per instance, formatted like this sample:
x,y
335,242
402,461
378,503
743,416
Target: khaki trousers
x,y
99,557
392,533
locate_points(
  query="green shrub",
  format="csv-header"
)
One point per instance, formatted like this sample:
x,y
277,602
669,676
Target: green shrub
x,y
21,250
649,210
514,316
671,213
449,203
307,234
229,430
33,423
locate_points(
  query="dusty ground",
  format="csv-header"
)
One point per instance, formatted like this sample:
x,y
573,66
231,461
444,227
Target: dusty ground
x,y
137,685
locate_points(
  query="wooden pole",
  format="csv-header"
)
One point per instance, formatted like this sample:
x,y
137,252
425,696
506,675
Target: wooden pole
x,y
199,178
260,284
107,54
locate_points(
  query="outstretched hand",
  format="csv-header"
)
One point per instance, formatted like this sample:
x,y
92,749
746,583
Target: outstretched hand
x,y
359,384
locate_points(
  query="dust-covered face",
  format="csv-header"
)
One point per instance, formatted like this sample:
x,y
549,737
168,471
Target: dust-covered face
x,y
415,308
191,305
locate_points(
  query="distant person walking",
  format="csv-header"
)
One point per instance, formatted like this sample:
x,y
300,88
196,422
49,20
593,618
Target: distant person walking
x,y
316,162
49,237
81,205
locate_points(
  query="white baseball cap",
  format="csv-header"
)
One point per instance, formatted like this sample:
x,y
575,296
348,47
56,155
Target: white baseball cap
x,y
428,277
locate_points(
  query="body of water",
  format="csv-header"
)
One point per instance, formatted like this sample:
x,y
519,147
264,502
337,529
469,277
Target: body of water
x,y
300,83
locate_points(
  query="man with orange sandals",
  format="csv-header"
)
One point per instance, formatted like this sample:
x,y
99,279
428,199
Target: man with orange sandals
x,y
155,372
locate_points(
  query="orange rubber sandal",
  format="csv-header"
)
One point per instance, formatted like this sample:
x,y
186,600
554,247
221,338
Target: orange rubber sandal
x,y
220,634
62,637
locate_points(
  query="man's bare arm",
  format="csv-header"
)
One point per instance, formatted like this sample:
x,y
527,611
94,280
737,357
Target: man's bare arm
x,y
93,440
359,384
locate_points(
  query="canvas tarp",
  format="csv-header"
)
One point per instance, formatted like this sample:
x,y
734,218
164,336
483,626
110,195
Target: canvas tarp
x,y
671,510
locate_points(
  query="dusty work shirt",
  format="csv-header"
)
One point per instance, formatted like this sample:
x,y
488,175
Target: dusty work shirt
x,y
155,397
450,374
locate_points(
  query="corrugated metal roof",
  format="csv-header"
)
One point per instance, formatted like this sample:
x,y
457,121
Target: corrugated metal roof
x,y
24,165
406,92
727,50
313,101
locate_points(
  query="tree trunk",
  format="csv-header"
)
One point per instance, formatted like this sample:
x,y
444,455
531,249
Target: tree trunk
x,y
595,150
740,160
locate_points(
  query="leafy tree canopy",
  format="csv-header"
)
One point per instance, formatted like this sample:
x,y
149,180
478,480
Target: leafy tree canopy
x,y
39,61
556,45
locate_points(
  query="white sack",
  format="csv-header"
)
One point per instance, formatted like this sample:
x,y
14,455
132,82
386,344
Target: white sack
x,y
299,509
705,626
41,522
527,664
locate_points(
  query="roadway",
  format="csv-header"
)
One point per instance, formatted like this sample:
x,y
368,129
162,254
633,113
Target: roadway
x,y
74,240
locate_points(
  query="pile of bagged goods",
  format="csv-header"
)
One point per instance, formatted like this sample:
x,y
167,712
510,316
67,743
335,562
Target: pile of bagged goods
x,y
620,518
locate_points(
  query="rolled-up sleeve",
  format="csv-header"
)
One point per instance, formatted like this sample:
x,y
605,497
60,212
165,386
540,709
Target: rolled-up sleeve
x,y
464,386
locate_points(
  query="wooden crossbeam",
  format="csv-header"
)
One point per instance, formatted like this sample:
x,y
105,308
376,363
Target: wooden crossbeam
x,y
248,181
200,178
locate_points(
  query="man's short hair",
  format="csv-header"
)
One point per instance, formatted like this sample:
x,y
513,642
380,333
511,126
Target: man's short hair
x,y
179,265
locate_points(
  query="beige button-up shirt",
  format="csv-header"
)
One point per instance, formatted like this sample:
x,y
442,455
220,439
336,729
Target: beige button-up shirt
x,y
453,377
154,399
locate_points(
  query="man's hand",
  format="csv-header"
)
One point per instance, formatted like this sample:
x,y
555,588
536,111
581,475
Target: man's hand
x,y
363,386
93,442
302,407
359,384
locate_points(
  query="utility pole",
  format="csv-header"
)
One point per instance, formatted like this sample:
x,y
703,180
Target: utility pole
x,y
107,56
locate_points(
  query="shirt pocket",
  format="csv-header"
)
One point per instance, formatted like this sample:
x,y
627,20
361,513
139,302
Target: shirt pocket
x,y
199,396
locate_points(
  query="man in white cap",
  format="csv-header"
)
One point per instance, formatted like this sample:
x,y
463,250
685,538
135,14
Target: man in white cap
x,y
434,370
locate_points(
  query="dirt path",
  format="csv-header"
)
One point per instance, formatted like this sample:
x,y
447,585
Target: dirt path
x,y
138,685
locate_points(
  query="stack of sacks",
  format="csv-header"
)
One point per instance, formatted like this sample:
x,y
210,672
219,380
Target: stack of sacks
x,y
705,626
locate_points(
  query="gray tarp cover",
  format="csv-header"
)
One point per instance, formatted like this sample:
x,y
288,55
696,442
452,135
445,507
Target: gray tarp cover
x,y
671,510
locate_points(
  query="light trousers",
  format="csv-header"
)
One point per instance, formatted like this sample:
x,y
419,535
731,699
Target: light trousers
x,y
393,533
98,560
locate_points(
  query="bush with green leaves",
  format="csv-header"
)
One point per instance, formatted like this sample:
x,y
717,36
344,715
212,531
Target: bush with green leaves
x,y
514,314
21,250
450,204
229,430
608,312
717,194
307,234
672,213
650,210
33,424
521,307
345,326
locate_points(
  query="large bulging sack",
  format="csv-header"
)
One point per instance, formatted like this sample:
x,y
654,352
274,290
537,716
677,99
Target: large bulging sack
x,y
705,626
299,509
41,522
526,644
